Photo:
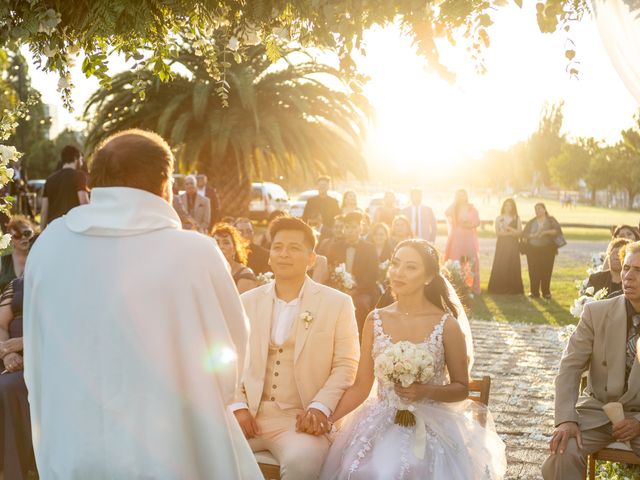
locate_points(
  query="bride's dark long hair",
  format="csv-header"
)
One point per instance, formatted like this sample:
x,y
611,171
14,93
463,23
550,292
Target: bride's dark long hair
x,y
436,291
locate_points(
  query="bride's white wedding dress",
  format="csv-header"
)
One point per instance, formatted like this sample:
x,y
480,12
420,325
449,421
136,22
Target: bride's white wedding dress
x,y
371,446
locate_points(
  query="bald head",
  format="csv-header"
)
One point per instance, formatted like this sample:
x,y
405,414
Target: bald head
x,y
135,159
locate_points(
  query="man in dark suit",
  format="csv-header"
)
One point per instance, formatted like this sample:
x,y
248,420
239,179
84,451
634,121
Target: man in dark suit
x,y
258,259
322,203
421,217
209,192
361,261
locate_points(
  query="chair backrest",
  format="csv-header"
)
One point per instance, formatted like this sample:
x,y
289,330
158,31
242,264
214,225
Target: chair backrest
x,y
479,390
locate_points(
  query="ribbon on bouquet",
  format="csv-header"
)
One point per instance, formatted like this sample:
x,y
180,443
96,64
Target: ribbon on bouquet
x,y
420,443
421,436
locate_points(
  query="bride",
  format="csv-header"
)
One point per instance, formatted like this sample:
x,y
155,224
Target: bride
x,y
447,440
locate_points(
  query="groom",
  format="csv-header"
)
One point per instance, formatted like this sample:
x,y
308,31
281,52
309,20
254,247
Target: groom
x,y
303,355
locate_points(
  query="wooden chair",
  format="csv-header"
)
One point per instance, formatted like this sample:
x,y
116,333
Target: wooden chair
x,y
614,452
478,392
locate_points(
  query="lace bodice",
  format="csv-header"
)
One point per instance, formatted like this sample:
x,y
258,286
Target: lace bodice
x,y
433,343
455,447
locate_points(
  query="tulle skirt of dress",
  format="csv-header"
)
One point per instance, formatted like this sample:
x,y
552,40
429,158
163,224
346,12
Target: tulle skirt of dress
x,y
370,446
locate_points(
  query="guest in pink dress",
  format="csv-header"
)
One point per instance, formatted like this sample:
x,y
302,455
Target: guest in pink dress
x,y
462,243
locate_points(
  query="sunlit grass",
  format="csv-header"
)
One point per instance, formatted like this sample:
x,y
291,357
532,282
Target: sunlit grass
x,y
520,308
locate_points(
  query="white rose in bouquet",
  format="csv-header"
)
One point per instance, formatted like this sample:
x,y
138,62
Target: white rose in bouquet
x,y
404,363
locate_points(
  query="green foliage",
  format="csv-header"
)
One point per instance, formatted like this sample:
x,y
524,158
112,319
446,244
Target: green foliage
x,y
546,142
277,120
616,471
571,164
149,32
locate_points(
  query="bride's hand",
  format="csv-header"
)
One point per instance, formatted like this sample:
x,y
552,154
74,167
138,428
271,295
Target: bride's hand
x,y
412,393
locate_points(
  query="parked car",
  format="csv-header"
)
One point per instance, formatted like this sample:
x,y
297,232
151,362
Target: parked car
x,y
297,207
402,201
265,198
36,188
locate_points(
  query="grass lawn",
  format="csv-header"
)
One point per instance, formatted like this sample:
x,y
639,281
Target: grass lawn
x,y
570,267
520,308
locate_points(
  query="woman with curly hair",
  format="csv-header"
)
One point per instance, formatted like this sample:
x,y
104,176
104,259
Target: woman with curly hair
x,y
234,249
12,263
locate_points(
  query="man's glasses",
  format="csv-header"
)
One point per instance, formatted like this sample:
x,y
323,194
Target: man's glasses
x,y
19,235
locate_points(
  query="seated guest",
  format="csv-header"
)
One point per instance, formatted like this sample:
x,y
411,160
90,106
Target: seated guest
x,y
319,272
610,279
365,225
258,257
604,345
16,458
360,260
626,231
265,241
331,235
234,249
381,240
12,263
400,230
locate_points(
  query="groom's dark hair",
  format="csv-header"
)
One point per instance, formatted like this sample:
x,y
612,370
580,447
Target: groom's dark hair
x,y
135,159
295,224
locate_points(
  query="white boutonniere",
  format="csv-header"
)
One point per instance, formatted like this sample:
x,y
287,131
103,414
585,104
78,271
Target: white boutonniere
x,y
307,318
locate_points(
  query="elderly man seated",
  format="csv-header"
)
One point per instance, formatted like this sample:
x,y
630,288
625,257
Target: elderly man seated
x,y
605,345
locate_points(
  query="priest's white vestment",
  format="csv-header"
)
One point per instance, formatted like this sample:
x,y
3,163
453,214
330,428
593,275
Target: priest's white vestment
x,y
134,338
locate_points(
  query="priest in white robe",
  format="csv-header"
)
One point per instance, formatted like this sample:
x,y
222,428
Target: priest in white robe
x,y
134,333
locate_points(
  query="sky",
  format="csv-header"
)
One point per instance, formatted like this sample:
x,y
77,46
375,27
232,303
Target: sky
x,y
423,123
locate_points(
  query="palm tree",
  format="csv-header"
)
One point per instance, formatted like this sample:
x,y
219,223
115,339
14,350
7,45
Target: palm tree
x,y
279,121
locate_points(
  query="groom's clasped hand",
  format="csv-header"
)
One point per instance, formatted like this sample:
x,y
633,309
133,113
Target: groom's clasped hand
x,y
313,422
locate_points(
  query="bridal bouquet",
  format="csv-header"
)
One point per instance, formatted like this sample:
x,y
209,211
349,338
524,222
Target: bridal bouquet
x,y
343,279
264,278
588,297
404,363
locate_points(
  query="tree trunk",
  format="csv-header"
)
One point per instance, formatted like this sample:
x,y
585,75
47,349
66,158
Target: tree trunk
x,y
233,186
631,195
593,196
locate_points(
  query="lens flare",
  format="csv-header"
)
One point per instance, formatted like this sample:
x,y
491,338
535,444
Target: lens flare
x,y
219,357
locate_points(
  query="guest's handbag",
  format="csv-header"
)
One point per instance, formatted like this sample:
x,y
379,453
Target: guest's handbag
x,y
560,241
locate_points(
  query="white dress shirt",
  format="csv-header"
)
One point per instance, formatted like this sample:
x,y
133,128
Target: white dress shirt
x,y
285,314
416,220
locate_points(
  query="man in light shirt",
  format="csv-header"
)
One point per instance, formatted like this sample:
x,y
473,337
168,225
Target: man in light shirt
x,y
303,355
421,217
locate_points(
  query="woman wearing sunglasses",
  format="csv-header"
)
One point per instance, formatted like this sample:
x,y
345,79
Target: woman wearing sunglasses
x,y
12,263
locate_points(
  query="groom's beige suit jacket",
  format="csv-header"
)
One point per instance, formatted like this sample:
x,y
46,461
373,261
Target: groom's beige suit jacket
x,y
326,353
599,346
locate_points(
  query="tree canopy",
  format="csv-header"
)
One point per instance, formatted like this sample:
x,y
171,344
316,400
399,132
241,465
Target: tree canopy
x,y
151,32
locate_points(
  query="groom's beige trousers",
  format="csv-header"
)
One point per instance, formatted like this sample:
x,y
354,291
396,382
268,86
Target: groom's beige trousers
x,y
300,455
572,464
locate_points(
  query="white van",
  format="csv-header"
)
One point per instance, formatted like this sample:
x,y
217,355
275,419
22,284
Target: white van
x,y
265,198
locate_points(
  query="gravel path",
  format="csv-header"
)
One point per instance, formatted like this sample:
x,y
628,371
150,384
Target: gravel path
x,y
522,361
